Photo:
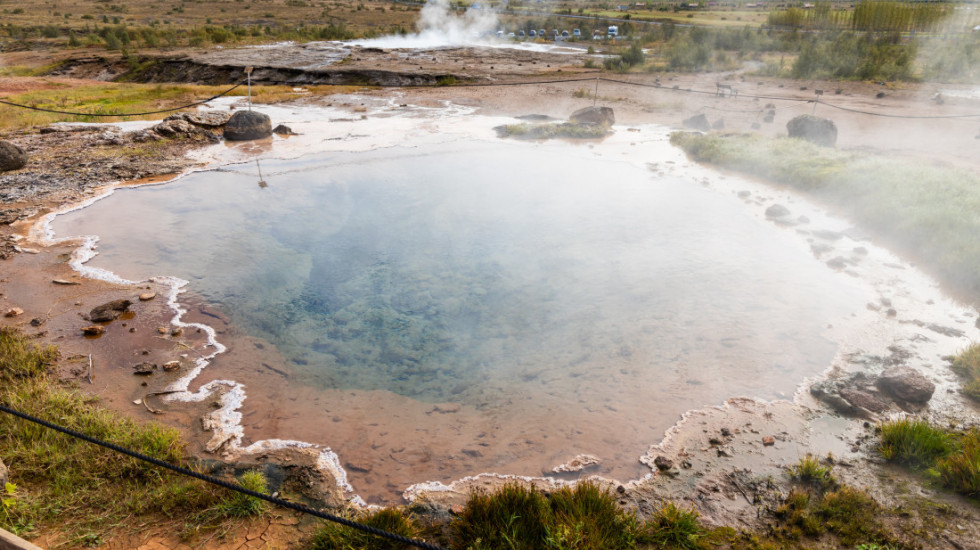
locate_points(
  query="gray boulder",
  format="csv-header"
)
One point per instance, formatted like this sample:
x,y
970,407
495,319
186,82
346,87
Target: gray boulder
x,y
109,311
246,125
3,475
12,157
814,129
594,115
698,122
906,384
208,119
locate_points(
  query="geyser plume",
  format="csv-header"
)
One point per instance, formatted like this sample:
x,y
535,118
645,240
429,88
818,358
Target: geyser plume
x,y
439,26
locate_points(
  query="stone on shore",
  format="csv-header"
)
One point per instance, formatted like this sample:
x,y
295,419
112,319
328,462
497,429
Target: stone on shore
x,y
907,384
814,129
109,311
12,157
602,116
144,368
698,122
247,125
93,330
3,474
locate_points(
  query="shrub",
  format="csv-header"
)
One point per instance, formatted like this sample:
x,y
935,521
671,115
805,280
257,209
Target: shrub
x,y
967,365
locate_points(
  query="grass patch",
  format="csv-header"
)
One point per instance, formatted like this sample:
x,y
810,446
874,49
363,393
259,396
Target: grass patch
x,y
913,442
77,489
967,365
951,457
928,212
107,98
556,130
809,470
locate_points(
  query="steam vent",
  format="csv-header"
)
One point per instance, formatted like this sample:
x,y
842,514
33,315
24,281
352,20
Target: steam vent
x,y
247,125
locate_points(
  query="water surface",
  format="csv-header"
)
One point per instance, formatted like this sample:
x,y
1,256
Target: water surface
x,y
565,303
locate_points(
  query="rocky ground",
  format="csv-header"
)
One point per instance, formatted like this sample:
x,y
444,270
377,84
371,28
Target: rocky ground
x,y
728,462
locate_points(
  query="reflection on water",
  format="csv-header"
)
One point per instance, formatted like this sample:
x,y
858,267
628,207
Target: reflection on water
x,y
474,273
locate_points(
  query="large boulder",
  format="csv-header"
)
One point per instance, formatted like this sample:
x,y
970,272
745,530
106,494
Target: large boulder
x,y
109,311
12,157
594,115
906,384
246,125
814,129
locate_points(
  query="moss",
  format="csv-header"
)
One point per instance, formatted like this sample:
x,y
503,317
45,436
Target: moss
x,y
967,365
566,130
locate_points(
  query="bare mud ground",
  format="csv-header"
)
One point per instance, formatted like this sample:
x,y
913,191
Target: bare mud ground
x,y
729,474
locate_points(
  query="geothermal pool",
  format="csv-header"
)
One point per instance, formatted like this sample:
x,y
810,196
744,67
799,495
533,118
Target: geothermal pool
x,y
455,308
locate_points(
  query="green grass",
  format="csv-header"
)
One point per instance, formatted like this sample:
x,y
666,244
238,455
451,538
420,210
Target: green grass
x,y
967,365
927,212
808,470
333,536
913,442
75,488
555,130
951,457
960,471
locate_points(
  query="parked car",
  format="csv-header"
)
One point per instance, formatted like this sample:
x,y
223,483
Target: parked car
x,y
576,33
541,33
520,34
564,34
532,33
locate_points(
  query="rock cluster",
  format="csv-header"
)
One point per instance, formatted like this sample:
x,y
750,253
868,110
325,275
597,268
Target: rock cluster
x,y
864,395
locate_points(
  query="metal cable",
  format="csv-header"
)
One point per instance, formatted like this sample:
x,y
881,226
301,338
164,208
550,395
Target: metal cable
x,y
222,483
195,104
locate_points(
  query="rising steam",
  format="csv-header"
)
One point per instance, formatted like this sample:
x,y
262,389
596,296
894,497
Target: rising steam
x,y
439,26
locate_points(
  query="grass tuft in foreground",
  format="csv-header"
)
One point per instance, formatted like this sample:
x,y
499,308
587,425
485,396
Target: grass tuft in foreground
x,y
952,457
76,488
967,365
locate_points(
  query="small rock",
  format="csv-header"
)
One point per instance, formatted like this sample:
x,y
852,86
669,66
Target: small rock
x,y
12,157
814,129
248,125
768,441
93,330
64,282
3,474
176,331
907,384
777,211
698,122
594,115
726,432
147,296
144,368
37,321
109,311
171,365
724,453
283,130
13,312
715,441
663,463
162,330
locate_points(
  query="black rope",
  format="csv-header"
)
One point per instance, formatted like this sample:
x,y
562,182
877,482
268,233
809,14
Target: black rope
x,y
195,104
891,115
222,483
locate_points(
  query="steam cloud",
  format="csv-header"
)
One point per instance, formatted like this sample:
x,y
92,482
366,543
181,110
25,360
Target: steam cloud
x,y
439,26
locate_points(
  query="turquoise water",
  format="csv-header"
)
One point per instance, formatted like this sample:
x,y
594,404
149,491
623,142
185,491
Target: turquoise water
x,y
467,272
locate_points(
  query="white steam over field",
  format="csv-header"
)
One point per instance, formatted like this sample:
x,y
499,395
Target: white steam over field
x,y
439,26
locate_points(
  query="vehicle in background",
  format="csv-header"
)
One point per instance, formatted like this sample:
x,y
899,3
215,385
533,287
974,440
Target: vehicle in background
x,y
565,35
576,33
613,31
532,33
541,34
520,34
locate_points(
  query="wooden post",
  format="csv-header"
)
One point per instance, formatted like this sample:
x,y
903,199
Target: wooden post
x,y
248,73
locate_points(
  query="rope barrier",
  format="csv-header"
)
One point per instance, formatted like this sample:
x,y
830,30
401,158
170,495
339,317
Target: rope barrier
x,y
222,483
195,104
